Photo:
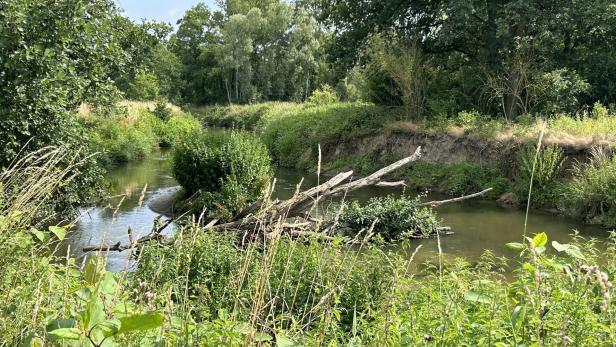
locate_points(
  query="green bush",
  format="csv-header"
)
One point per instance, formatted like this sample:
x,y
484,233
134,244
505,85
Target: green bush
x,y
548,167
178,128
323,96
161,111
398,218
122,140
560,90
592,189
229,169
457,178
144,87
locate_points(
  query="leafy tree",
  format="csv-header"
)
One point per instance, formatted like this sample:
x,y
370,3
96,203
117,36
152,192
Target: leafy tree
x,y
54,55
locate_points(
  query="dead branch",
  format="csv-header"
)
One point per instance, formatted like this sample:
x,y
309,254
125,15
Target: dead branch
x,y
458,199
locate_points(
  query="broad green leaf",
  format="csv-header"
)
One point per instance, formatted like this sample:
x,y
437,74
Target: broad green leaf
x,y
540,240
283,341
109,284
529,267
262,337
558,246
477,297
243,328
138,322
516,246
110,327
519,313
41,236
55,324
95,311
94,271
60,232
67,334
84,294
571,250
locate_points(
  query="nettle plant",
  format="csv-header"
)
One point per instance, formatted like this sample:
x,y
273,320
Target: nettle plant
x,y
100,313
559,296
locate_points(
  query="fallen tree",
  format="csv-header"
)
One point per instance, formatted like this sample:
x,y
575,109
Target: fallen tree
x,y
293,216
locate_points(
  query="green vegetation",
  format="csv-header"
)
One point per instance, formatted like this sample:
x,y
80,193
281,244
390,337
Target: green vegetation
x,y
133,133
229,171
396,219
457,179
375,81
544,168
592,188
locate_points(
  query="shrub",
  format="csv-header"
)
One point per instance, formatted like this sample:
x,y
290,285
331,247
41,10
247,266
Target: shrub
x,y
599,111
458,178
559,91
397,218
323,96
592,189
230,169
161,111
548,166
144,87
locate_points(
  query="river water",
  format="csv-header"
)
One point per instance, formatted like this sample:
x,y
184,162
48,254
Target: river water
x,y
478,225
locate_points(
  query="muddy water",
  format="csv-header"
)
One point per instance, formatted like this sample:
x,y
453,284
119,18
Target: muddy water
x,y
478,225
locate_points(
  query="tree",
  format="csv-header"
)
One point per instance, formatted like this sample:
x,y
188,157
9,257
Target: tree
x,y
54,56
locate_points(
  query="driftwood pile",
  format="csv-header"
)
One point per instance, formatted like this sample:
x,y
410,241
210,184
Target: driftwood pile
x,y
266,217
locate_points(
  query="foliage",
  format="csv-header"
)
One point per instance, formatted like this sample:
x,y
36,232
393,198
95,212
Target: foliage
x,y
55,55
144,87
394,218
457,178
259,51
161,110
568,43
135,132
591,189
560,92
102,313
401,64
323,96
308,293
229,170
544,166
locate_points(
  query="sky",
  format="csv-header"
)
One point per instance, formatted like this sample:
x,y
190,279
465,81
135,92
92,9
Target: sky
x,y
161,10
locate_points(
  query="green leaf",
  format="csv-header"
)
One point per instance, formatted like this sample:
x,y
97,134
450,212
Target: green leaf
x,y
84,294
283,341
519,313
529,267
571,250
94,271
94,312
516,246
41,236
140,322
110,327
262,337
60,232
67,334
109,284
540,240
55,324
477,297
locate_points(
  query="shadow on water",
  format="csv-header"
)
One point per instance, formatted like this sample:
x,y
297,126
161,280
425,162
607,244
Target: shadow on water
x,y
478,225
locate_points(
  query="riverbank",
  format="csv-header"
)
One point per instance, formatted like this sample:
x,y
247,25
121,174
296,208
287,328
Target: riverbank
x,y
135,129
463,154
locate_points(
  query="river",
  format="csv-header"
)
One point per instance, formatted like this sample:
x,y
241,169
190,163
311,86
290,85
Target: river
x,y
478,225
